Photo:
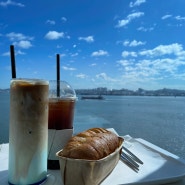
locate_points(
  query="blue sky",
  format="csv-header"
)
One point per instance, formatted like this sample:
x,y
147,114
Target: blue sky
x,y
115,44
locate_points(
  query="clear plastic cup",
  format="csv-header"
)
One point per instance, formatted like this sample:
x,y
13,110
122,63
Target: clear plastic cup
x,y
62,98
28,133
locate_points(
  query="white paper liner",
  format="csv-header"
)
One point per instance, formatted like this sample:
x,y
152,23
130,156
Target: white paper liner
x,y
88,172
57,139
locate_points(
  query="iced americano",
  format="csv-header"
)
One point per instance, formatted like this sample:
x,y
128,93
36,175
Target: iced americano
x,y
60,122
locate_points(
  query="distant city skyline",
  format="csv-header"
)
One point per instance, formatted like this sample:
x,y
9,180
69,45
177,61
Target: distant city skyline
x,y
128,44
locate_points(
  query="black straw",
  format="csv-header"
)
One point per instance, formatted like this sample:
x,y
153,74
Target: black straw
x,y
58,75
12,55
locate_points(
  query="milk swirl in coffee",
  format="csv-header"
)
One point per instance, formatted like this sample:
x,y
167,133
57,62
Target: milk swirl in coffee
x,y
28,131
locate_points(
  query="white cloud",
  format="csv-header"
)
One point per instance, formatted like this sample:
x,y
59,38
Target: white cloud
x,y
135,15
136,3
6,54
52,22
23,44
68,68
59,46
93,64
123,22
102,75
133,43
99,53
74,54
149,70
179,18
127,65
54,35
64,19
161,62
88,39
172,49
105,77
128,54
175,49
124,62
20,40
166,16
12,3
82,76
145,29
129,18
62,55
17,52
18,36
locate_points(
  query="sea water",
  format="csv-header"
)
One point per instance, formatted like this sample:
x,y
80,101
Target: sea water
x,y
4,117
159,120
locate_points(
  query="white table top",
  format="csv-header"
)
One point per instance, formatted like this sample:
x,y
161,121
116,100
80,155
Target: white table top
x,y
54,176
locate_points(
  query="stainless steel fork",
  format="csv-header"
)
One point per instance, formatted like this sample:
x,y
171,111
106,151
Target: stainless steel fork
x,y
130,159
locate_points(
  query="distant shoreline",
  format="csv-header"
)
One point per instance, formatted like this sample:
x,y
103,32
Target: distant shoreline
x,y
125,92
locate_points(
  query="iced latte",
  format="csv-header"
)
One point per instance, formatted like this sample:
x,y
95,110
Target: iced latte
x,y
28,131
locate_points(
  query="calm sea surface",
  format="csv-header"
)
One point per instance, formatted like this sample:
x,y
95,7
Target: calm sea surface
x,y
160,120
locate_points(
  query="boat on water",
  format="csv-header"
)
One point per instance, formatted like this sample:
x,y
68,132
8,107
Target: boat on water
x,y
100,97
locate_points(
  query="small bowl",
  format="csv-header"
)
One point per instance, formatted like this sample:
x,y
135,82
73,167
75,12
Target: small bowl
x,y
88,172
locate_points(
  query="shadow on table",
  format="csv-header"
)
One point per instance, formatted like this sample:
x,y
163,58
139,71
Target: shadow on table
x,y
53,178
172,171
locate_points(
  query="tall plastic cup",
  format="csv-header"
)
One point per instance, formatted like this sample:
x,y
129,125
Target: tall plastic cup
x,y
62,99
28,133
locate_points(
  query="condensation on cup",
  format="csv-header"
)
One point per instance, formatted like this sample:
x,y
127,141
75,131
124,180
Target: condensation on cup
x,y
28,133
60,122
